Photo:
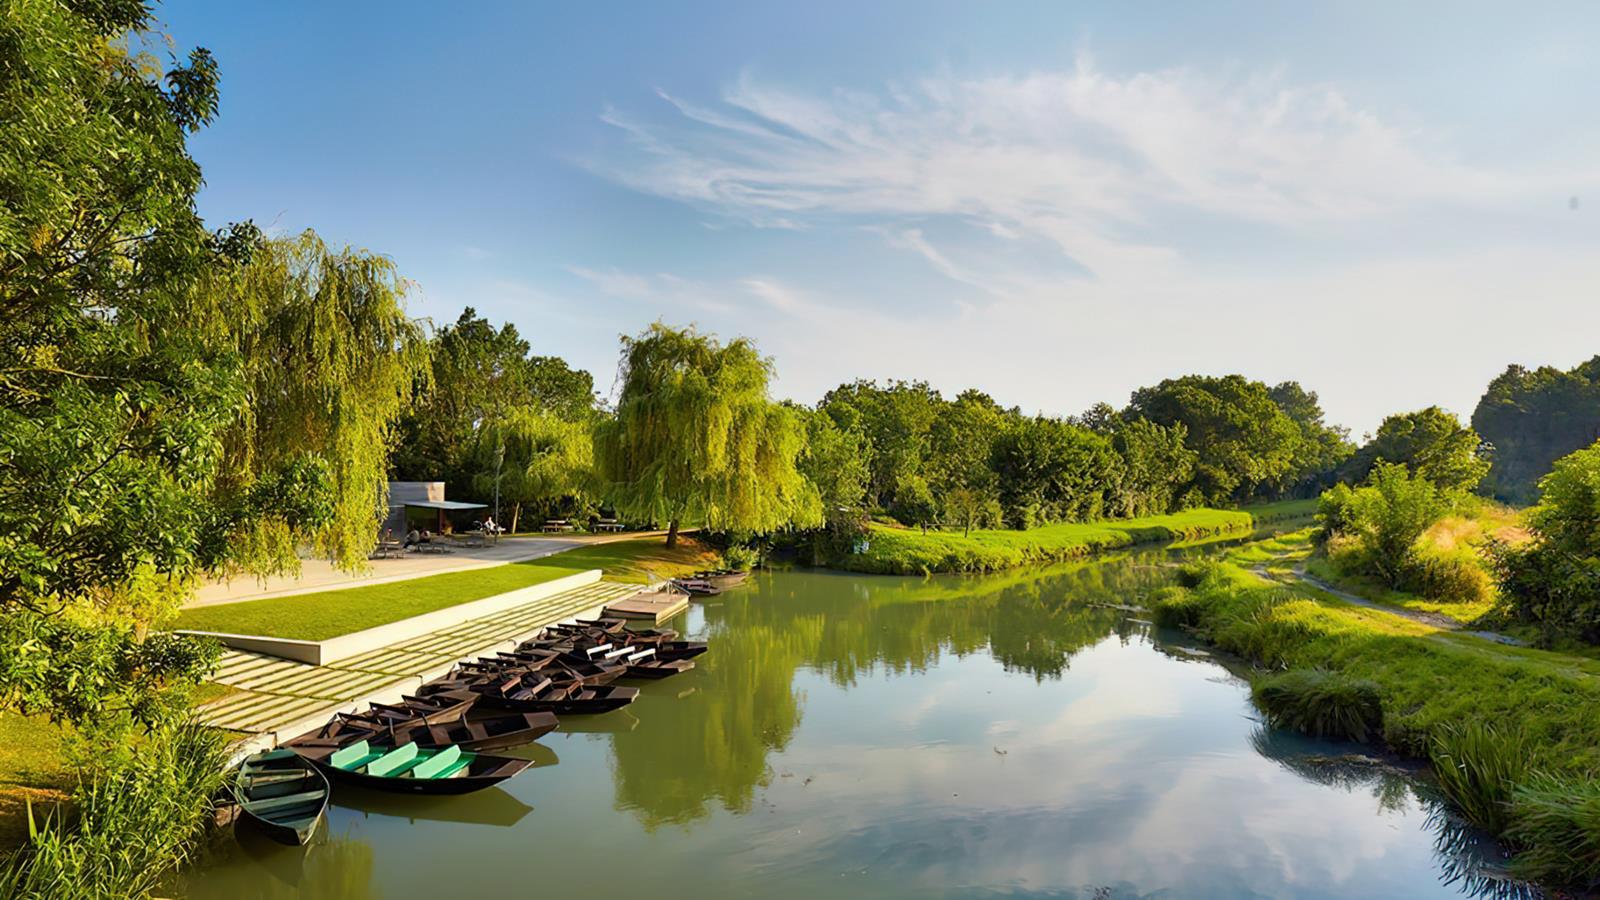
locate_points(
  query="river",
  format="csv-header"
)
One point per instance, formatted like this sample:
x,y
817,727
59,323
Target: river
x,y
1018,735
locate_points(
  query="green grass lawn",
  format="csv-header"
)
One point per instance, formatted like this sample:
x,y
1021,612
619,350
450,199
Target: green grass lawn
x,y
32,768
1282,509
326,614
904,551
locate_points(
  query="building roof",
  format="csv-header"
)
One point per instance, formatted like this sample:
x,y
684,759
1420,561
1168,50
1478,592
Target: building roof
x,y
444,504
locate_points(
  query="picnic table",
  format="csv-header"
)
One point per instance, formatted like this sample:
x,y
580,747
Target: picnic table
x,y
389,550
553,525
608,525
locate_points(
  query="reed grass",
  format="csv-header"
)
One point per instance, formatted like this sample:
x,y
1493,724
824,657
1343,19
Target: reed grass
x,y
1321,703
1479,766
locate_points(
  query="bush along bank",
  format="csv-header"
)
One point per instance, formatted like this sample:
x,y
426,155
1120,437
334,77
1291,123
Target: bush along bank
x,y
1511,732
896,551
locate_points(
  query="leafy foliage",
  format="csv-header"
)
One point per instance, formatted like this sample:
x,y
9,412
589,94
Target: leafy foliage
x,y
1432,443
696,437
1554,580
1384,518
1532,417
1242,439
138,817
535,457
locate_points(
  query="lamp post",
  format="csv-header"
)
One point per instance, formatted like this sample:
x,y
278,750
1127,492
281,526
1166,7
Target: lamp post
x,y
499,457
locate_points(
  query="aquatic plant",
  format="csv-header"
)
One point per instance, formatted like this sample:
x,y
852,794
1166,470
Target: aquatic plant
x,y
1556,819
1321,703
137,817
1479,767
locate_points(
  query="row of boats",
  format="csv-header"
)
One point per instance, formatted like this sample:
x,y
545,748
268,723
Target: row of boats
x,y
436,741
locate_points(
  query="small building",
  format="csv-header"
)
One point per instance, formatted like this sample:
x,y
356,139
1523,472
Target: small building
x,y
421,505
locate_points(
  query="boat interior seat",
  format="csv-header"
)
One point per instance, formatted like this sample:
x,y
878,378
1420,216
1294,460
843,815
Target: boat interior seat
x,y
395,762
444,761
354,756
287,800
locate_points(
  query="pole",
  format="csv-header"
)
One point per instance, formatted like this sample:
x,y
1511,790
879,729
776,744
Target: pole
x,y
499,457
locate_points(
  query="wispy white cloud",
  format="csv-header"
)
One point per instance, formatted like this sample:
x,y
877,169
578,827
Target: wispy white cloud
x,y
1090,162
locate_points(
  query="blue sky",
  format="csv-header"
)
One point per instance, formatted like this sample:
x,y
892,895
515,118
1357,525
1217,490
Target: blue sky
x,y
1055,203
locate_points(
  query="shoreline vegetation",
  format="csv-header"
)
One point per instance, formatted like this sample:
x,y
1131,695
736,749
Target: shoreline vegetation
x,y
905,551
1468,705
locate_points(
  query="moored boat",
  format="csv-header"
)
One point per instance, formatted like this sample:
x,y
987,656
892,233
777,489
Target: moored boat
x,y
283,794
412,769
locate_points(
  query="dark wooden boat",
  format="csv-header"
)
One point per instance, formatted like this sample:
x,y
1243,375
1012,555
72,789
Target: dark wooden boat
x,y
642,663
723,579
430,709
593,674
411,768
479,732
537,693
284,795
696,587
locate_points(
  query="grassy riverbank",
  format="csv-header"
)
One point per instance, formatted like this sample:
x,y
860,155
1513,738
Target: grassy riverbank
x,y
905,551
33,769
1432,684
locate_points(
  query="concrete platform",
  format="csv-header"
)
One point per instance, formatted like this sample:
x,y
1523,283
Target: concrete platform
x,y
275,699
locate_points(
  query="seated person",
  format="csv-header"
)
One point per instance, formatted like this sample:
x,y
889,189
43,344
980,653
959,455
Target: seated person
x,y
412,538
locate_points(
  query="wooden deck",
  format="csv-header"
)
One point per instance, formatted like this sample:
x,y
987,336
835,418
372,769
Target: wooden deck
x,y
656,606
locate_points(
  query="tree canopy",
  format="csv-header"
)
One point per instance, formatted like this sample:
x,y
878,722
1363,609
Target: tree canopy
x,y
1431,443
1242,440
696,437
1532,417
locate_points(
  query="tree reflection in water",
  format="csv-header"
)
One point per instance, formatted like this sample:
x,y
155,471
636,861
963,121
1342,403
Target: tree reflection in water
x,y
712,748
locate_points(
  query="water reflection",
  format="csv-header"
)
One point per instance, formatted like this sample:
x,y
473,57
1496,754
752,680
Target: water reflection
x,y
1024,734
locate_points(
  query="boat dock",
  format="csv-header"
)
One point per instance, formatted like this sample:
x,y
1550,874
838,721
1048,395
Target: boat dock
x,y
653,606
271,698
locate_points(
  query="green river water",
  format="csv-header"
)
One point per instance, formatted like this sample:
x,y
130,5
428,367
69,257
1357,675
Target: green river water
x,y
1020,735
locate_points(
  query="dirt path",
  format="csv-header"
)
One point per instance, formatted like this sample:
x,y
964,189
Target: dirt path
x,y
1431,619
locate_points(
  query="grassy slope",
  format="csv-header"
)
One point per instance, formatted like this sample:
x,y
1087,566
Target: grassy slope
x,y
907,552
31,769
326,614
1427,677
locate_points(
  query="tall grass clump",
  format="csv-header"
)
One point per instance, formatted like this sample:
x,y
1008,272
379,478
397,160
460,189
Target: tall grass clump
x,y
139,813
1479,767
1556,820
1321,703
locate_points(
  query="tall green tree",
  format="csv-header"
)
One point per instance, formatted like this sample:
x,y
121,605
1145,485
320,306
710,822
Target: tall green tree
x,y
896,420
1049,470
535,458
1532,417
1431,443
1242,439
1553,581
330,360
697,438
1155,467
1321,448
111,409
480,373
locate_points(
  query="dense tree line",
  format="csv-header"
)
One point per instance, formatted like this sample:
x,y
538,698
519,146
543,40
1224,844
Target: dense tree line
x,y
1533,417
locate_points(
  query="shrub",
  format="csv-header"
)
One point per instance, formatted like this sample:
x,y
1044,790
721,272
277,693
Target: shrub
x,y
1384,518
1554,581
741,558
1557,821
1450,578
138,815
1191,574
1479,767
1321,703
1174,607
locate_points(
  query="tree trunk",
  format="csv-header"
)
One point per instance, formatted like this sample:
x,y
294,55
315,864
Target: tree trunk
x,y
672,534
516,510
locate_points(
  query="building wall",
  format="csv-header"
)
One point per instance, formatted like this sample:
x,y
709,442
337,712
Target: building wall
x,y
401,493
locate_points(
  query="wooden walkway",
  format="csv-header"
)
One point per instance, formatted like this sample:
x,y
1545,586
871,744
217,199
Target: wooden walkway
x,y
272,695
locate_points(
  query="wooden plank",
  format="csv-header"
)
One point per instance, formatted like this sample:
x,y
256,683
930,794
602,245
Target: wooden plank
x,y
643,608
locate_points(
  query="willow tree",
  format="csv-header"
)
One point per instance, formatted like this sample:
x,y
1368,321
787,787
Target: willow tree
x,y
532,457
696,437
329,361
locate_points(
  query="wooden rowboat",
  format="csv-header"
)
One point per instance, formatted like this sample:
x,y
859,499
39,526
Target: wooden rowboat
x,y
478,732
412,769
543,694
282,794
